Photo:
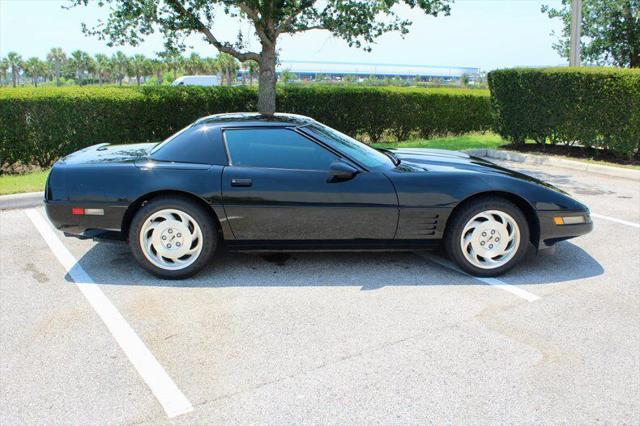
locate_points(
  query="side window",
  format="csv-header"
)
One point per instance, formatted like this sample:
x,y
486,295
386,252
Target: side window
x,y
276,148
192,145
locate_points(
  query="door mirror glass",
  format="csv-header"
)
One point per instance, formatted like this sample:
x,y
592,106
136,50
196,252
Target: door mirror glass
x,y
339,170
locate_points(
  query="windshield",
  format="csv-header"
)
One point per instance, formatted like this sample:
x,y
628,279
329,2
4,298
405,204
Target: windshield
x,y
352,148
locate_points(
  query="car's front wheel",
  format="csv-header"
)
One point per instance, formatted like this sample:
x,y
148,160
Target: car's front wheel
x,y
488,237
172,238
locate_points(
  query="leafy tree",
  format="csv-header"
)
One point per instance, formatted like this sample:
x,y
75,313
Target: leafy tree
x,y
286,76
610,31
35,68
15,63
358,22
56,58
349,79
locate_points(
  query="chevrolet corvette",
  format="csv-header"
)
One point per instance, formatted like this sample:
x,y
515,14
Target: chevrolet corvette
x,y
289,183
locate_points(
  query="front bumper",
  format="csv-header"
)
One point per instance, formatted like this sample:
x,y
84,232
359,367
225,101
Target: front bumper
x,y
551,233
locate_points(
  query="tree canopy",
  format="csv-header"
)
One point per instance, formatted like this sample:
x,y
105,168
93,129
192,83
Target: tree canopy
x,y
610,31
358,22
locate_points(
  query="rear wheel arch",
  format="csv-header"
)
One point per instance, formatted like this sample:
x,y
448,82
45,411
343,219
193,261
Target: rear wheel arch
x,y
142,200
525,207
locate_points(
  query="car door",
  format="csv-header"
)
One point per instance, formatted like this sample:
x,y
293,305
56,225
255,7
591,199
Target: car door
x,y
277,187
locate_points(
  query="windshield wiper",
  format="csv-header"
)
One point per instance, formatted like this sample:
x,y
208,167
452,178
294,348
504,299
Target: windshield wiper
x,y
394,159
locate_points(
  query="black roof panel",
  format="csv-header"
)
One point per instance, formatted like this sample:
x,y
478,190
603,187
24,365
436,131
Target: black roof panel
x,y
255,119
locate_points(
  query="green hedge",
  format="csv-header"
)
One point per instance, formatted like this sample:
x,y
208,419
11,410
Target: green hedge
x,y
37,126
593,107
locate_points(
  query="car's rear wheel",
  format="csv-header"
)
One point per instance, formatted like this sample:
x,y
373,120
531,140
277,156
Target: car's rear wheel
x,y
172,238
488,237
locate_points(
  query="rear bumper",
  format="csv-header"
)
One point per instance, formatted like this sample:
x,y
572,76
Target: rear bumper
x,y
59,213
550,233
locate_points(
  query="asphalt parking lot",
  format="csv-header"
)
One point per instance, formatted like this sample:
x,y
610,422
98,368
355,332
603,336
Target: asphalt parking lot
x,y
89,338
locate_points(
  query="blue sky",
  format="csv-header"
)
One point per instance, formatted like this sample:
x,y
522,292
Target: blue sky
x,y
479,33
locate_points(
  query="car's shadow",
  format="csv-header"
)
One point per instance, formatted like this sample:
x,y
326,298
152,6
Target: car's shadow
x,y
113,264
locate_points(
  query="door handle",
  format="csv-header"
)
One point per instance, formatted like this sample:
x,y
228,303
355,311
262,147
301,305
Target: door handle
x,y
241,182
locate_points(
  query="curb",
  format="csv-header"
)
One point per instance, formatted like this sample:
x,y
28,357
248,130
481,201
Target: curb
x,y
21,201
518,157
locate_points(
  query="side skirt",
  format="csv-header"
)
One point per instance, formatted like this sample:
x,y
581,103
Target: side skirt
x,y
331,245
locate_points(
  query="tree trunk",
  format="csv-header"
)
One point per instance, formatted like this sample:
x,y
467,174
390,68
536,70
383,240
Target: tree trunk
x,y
100,78
635,58
267,81
14,77
138,79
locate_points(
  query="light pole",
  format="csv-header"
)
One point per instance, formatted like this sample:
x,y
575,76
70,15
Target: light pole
x,y
576,20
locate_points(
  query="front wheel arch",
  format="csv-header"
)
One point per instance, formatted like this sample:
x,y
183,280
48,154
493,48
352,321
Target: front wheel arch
x,y
524,206
142,200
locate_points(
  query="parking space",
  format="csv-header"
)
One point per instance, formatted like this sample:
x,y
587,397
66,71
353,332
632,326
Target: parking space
x,y
334,337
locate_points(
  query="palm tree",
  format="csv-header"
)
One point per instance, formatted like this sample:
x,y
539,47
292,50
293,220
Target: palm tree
x,y
138,66
56,58
4,67
102,67
82,63
15,62
35,68
193,65
173,61
210,66
251,68
158,67
120,64
228,65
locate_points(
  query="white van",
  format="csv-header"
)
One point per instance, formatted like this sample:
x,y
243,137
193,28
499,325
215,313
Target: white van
x,y
197,80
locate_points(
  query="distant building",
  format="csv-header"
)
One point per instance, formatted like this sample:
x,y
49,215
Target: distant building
x,y
337,70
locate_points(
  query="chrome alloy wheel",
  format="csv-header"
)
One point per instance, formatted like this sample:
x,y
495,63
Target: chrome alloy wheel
x,y
171,239
490,239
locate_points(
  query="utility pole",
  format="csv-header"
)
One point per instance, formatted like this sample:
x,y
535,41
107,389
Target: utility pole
x,y
576,22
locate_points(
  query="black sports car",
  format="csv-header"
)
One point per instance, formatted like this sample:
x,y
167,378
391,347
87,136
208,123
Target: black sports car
x,y
287,182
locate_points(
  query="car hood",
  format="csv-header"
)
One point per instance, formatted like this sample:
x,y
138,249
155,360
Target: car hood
x,y
106,153
439,160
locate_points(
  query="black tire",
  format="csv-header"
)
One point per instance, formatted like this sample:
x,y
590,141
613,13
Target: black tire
x,y
458,222
204,220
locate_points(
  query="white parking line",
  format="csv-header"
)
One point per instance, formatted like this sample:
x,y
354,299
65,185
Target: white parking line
x,y
613,219
494,282
165,390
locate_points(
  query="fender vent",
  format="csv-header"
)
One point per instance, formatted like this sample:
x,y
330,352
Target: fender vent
x,y
418,224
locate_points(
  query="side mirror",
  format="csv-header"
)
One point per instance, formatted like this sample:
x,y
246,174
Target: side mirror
x,y
340,171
